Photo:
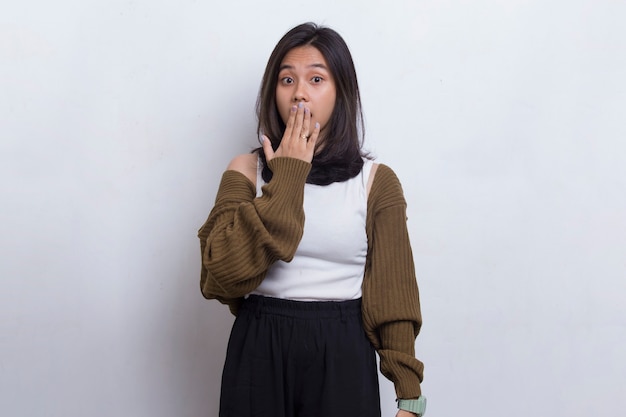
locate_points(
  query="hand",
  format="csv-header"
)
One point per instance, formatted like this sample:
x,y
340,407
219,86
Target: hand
x,y
404,413
298,141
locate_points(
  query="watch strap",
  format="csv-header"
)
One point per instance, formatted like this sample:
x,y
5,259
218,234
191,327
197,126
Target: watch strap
x,y
417,406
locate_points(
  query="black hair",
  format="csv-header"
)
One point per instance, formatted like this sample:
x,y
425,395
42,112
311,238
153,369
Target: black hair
x,y
341,157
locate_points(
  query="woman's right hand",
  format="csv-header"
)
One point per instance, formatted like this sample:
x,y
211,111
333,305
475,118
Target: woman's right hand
x,y
298,140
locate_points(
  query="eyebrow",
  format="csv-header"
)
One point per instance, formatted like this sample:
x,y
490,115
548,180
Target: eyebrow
x,y
316,65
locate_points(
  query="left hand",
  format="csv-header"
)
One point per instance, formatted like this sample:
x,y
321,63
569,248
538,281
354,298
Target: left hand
x,y
404,413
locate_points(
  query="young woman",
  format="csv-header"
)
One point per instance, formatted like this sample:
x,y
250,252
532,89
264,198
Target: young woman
x,y
307,244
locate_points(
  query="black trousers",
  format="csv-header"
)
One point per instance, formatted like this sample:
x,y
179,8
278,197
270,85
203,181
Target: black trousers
x,y
299,359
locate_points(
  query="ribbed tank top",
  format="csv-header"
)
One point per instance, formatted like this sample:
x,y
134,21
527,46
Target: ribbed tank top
x,y
330,260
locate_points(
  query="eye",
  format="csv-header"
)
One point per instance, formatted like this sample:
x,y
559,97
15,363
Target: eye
x,y
286,80
317,80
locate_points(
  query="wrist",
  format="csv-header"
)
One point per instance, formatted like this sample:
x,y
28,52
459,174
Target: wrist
x,y
416,406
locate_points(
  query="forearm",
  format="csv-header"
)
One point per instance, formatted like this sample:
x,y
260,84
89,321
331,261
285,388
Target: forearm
x,y
244,235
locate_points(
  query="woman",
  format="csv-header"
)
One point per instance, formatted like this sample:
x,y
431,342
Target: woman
x,y
307,244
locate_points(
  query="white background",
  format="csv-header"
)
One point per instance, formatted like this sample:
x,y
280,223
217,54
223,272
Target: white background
x,y
505,121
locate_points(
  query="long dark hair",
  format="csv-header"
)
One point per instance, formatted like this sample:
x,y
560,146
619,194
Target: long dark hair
x,y
341,157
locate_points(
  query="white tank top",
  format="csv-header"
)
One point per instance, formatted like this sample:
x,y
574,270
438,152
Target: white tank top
x,y
330,260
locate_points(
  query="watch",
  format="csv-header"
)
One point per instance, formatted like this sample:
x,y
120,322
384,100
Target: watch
x,y
417,406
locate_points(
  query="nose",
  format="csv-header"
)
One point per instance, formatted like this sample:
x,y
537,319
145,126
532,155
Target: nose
x,y
300,93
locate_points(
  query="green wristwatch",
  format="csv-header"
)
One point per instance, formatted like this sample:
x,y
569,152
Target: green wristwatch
x,y
417,406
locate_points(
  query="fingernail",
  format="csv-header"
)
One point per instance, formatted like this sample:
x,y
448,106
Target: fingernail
x,y
300,105
306,110
317,125
294,108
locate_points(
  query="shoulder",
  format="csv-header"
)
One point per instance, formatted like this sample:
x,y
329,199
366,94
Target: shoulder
x,y
372,175
245,164
385,176
386,189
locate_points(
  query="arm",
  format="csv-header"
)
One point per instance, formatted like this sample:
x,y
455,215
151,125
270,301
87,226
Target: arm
x,y
391,308
244,235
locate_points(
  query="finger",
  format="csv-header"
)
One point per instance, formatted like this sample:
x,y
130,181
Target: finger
x,y
267,148
306,123
297,127
290,122
314,135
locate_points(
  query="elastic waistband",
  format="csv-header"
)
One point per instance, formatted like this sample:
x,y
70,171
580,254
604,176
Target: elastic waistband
x,y
301,309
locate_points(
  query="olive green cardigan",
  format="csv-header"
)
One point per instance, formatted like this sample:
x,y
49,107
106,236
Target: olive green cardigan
x,y
244,235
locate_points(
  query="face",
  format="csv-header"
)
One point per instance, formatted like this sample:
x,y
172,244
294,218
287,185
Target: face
x,y
304,76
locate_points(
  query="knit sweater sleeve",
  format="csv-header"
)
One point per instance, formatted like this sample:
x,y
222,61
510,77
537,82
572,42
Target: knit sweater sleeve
x,y
244,235
391,307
